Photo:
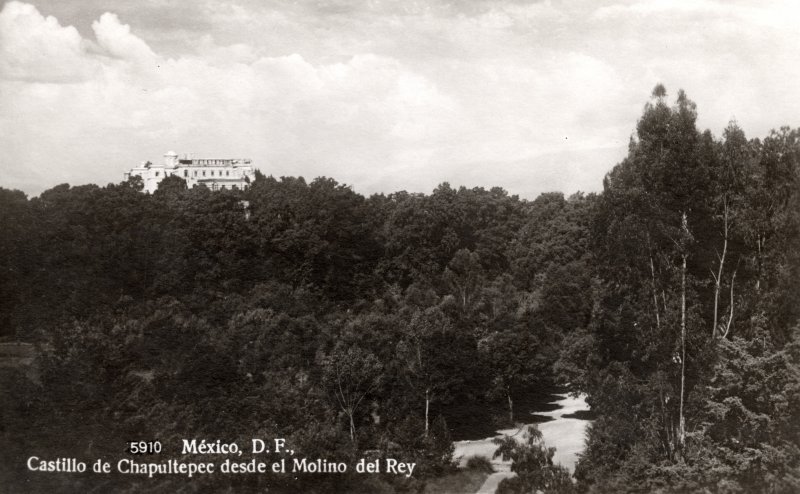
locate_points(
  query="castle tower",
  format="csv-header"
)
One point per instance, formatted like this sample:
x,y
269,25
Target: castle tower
x,y
171,159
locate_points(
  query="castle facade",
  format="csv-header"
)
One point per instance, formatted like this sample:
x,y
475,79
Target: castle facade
x,y
214,173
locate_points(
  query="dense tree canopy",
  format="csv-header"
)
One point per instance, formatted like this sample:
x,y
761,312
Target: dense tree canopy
x,y
388,325
689,359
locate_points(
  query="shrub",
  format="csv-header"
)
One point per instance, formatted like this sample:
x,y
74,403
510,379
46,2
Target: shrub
x,y
480,463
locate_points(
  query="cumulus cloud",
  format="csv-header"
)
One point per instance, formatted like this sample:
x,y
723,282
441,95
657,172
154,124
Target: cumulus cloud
x,y
139,103
530,96
38,49
116,39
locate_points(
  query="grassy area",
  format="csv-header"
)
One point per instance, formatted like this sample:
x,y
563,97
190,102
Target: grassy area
x,y
461,482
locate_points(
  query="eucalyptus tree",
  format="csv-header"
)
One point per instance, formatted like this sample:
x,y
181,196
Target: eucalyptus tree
x,y
652,235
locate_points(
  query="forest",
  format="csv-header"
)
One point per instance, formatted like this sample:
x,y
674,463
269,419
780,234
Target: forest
x,y
390,325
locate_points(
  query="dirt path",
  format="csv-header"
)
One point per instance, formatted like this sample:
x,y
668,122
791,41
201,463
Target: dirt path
x,y
566,434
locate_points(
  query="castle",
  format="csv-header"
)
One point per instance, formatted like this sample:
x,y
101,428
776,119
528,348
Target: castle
x,y
216,174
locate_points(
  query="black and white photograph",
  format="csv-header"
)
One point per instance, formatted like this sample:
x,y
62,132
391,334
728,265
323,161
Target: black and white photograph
x,y
399,246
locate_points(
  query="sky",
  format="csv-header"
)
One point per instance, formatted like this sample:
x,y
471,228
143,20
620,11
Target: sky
x,y
531,96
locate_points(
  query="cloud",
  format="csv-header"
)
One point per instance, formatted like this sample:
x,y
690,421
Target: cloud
x,y
138,103
385,96
776,13
38,48
116,39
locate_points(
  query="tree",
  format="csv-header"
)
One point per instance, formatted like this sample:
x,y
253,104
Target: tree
x,y
654,239
727,199
172,184
464,276
533,463
514,359
436,359
350,375
16,225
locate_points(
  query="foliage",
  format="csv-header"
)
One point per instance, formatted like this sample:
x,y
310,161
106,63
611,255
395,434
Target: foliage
x,y
688,357
480,463
533,463
390,324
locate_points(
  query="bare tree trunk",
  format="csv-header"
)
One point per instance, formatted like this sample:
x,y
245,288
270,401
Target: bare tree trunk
x,y
667,438
730,317
510,406
653,282
760,242
427,407
718,276
655,294
352,428
681,420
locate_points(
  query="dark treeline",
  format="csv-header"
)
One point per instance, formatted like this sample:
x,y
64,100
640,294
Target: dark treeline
x,y
351,326
387,326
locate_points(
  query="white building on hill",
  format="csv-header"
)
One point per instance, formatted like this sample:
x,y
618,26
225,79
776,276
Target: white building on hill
x,y
216,174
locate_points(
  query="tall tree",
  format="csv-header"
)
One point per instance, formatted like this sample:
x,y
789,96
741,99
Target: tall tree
x,y
437,359
350,375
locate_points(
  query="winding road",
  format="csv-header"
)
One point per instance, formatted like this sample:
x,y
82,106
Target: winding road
x,y
566,434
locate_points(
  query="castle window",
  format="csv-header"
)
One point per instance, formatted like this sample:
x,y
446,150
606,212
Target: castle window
x,y
157,173
227,173
185,173
204,173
